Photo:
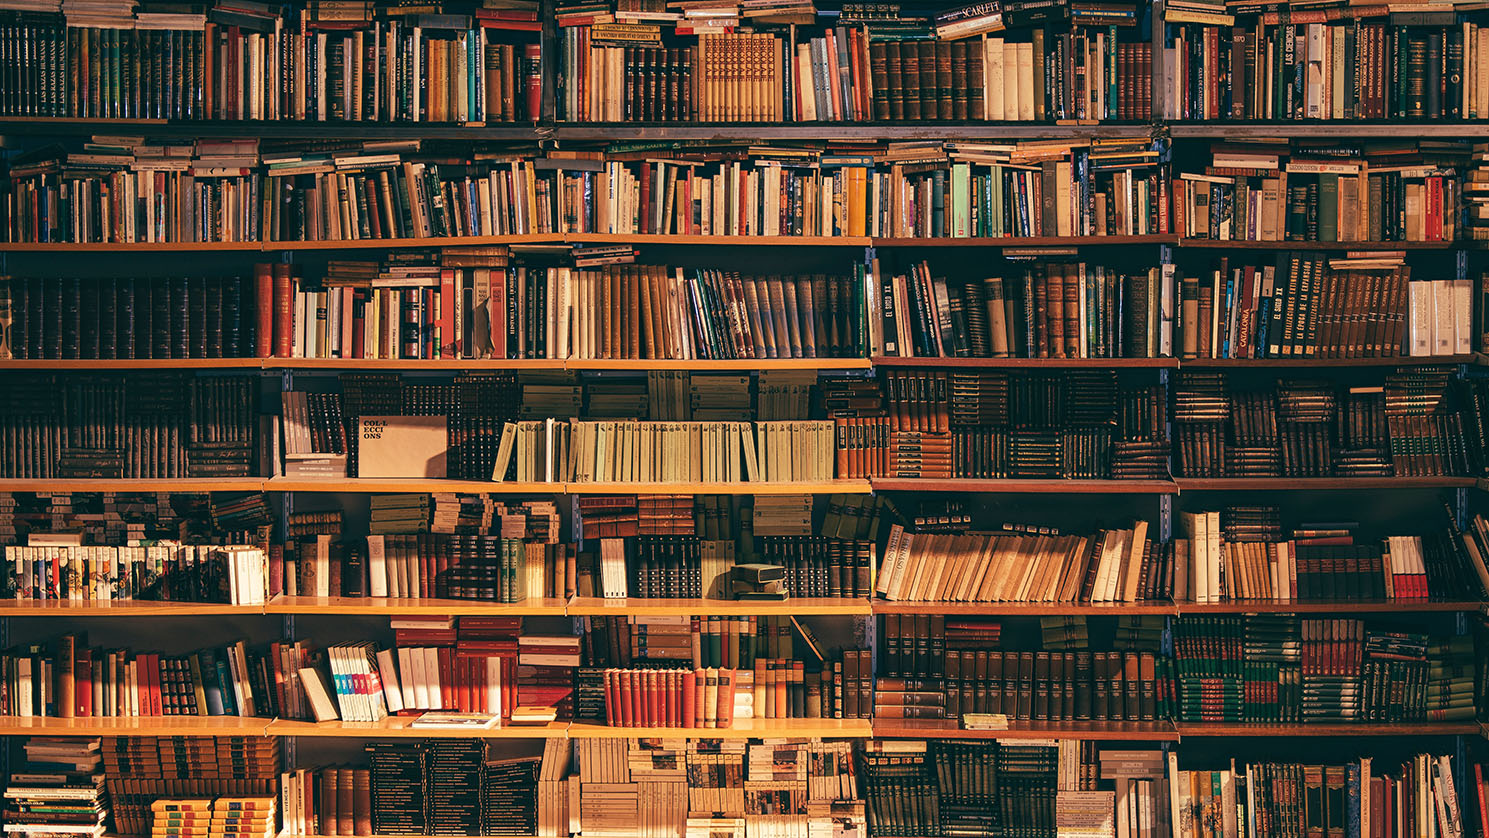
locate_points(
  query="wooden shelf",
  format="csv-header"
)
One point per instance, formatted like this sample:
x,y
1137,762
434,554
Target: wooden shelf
x,y
596,606
1301,484
721,364
820,487
358,364
1029,363
1314,363
134,726
90,365
373,485
1327,729
384,606
1401,606
1027,241
1021,609
127,247
398,243
742,729
275,129
1073,487
1324,129
129,484
1219,244
402,727
952,729
122,608
766,241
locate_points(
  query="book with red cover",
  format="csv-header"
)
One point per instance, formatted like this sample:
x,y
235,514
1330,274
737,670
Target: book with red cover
x,y
700,692
263,283
725,712
284,305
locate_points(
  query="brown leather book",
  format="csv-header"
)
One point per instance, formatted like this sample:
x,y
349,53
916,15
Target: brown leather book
x,y
284,307
345,801
960,103
1036,277
330,797
929,96
1072,288
879,78
910,79
944,98
1054,303
361,801
894,74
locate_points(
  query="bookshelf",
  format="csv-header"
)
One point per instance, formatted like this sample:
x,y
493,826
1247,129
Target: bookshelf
x,y
1144,270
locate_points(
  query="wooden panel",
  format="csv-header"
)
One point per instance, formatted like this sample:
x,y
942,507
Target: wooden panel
x,y
596,606
1073,487
402,727
951,729
394,607
742,729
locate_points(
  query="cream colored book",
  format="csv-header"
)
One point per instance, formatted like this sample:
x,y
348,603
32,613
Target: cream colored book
x,y
402,446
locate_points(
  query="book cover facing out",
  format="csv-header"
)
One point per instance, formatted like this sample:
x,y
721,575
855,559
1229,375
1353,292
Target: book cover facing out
x,y
401,446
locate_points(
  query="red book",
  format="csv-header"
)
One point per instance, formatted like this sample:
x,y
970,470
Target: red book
x,y
700,691
448,688
645,202
83,682
670,693
689,698
284,315
636,699
654,700
625,688
533,60
612,697
725,711
509,685
263,283
426,565
449,342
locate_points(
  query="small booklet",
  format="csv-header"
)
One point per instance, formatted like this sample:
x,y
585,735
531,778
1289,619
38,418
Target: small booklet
x,y
467,721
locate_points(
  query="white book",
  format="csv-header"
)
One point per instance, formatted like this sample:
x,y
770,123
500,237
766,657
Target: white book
x,y
431,672
406,682
377,566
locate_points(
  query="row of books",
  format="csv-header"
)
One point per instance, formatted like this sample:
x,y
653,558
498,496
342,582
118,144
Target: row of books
x,y
80,681
1301,305
1362,64
1048,310
1364,193
78,426
1116,565
1305,305
236,575
1326,563
364,310
1412,425
851,75
58,786
1283,668
126,190
550,450
129,190
272,64
1039,686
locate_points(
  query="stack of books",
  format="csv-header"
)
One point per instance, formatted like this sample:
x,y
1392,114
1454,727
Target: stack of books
x,y
57,790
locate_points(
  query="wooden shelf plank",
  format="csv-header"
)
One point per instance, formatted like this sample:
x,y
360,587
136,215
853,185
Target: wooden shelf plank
x,y
721,364
1313,363
402,727
1025,609
341,364
1327,129
1242,484
181,484
1074,487
122,608
1216,244
1327,729
821,487
129,247
597,606
952,729
374,485
768,241
385,606
742,729
1402,606
133,364
134,726
445,241
1030,363
1027,241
